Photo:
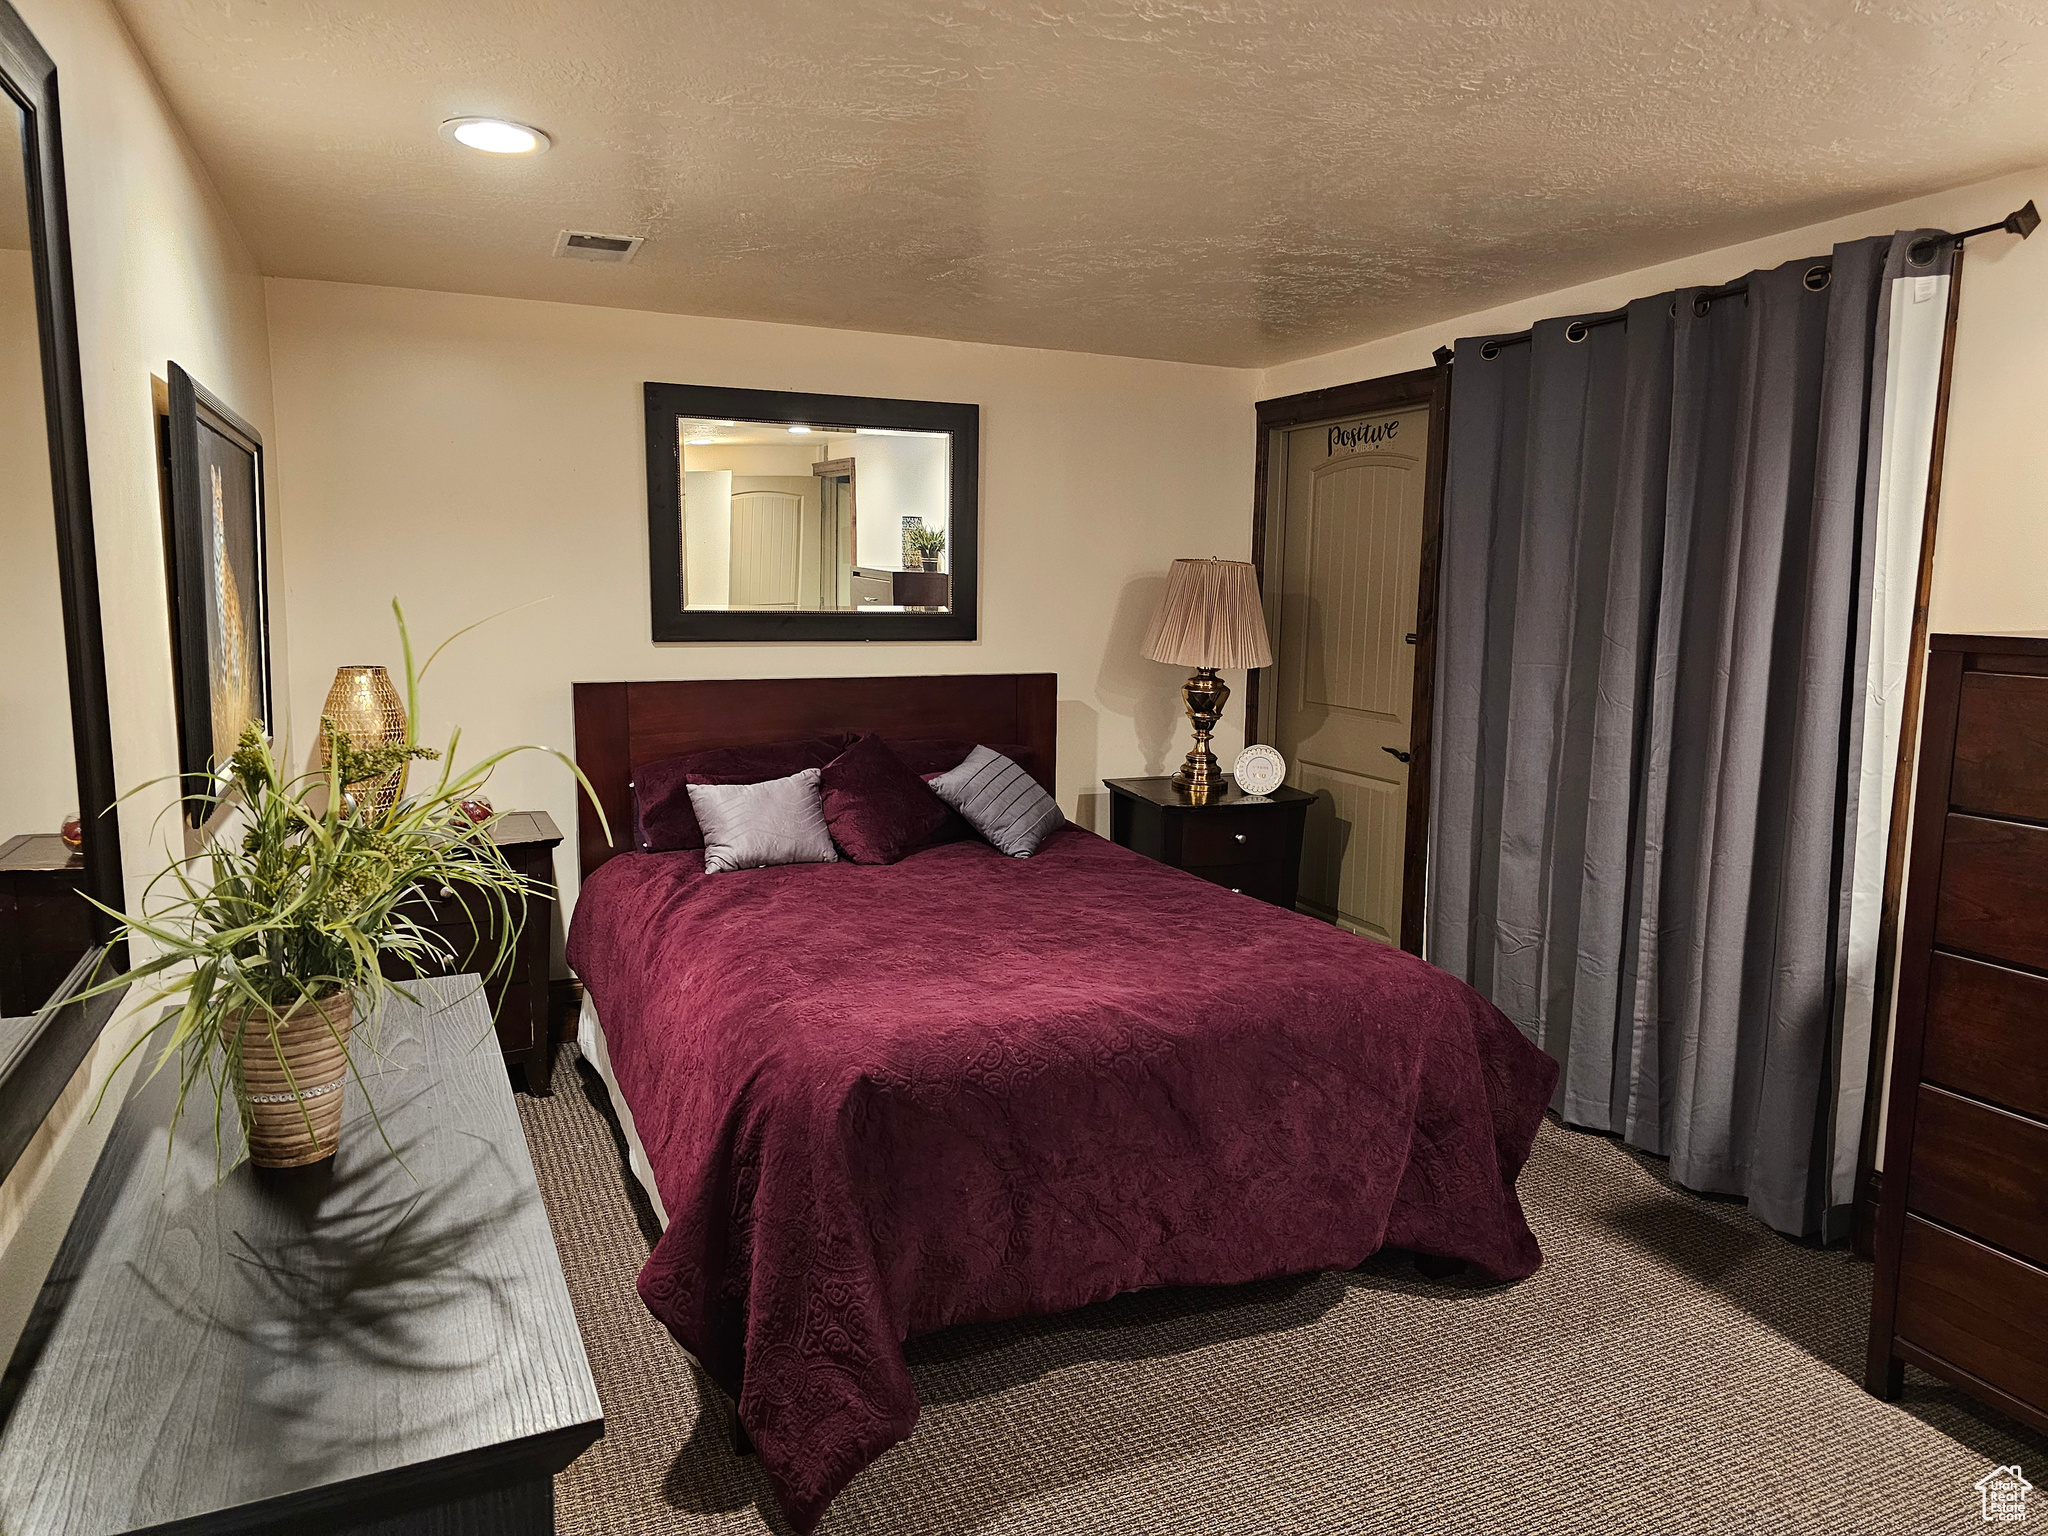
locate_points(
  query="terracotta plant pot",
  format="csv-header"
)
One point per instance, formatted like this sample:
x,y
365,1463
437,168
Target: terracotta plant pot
x,y
313,1040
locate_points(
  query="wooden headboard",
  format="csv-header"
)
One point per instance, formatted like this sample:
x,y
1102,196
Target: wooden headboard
x,y
619,726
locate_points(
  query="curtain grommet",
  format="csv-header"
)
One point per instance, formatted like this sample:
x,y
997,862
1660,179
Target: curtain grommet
x,y
1700,307
1490,351
1921,253
1575,332
1818,276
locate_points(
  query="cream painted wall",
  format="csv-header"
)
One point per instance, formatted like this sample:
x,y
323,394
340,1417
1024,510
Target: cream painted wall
x,y
466,454
707,537
161,275
38,779
1991,557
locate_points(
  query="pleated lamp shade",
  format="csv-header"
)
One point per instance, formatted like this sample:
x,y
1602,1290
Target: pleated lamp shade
x,y
1211,616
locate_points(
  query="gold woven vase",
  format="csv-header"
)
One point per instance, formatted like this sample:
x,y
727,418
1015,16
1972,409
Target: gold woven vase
x,y
365,706
312,1039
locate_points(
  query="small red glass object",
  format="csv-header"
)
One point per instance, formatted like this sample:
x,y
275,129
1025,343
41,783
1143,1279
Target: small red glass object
x,y
477,808
73,832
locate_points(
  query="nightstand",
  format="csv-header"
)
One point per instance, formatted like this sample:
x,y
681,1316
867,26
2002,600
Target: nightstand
x,y
45,923
518,998
1247,845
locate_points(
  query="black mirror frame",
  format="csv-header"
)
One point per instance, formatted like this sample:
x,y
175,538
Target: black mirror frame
x,y
41,1061
666,403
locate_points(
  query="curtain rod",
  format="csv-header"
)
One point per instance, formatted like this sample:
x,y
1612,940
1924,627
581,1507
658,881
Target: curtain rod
x,y
2021,221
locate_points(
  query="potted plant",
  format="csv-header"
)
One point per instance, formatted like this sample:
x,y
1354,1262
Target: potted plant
x,y
276,938
927,544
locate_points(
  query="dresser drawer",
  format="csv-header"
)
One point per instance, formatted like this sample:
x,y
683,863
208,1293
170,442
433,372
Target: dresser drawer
x,y
1233,837
1975,1308
1981,1170
1267,882
2001,761
1987,1033
1994,890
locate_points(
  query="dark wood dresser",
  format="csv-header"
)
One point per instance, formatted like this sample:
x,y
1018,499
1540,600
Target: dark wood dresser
x,y
1248,845
45,924
366,1346
518,995
1962,1234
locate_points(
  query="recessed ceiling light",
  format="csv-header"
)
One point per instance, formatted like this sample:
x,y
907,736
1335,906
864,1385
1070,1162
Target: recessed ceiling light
x,y
799,429
495,136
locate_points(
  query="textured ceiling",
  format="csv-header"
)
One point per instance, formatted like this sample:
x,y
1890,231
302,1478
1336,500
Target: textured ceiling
x,y
1225,181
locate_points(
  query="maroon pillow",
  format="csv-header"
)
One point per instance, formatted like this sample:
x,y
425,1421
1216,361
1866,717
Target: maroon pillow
x,y
927,755
877,808
663,820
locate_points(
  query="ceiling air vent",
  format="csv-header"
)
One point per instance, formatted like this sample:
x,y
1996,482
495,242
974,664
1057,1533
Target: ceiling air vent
x,y
581,245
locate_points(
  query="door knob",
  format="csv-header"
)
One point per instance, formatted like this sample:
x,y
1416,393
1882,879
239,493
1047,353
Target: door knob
x,y
1395,752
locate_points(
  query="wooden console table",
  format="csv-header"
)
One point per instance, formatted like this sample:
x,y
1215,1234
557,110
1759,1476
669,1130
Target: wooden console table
x,y
345,1348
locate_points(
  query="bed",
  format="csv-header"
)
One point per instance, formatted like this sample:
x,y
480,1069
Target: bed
x,y
871,1101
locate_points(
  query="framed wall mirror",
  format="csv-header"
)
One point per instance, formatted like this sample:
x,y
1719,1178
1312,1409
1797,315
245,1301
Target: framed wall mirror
x,y
57,844
773,515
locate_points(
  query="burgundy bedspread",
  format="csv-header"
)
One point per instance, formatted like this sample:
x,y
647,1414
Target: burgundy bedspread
x,y
879,1100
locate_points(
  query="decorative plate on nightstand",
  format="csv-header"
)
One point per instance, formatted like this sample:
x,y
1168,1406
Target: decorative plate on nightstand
x,y
1259,770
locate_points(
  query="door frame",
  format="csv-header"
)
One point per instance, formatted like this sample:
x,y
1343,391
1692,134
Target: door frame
x,y
1395,391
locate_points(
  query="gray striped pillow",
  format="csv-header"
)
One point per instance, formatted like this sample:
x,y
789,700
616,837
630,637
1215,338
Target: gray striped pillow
x,y
1000,801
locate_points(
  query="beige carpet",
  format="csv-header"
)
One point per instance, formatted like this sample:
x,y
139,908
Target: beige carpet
x,y
1673,1367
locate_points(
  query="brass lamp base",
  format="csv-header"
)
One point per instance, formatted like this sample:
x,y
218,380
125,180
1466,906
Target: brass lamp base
x,y
1205,694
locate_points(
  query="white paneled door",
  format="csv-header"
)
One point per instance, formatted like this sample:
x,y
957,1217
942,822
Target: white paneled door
x,y
1350,558
764,548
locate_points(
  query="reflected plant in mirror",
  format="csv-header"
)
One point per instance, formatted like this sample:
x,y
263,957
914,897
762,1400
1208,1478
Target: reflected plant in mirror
x,y
810,517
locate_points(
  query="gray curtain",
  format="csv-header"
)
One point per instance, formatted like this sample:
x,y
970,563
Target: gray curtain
x,y
1652,629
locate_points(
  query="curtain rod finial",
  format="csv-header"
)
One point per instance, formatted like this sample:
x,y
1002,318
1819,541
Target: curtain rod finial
x,y
2024,221
1443,355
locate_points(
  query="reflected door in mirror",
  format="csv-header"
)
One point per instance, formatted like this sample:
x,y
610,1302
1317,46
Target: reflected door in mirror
x,y
45,925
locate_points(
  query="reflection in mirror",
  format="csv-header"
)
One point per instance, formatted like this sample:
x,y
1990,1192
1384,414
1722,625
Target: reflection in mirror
x,y
814,517
45,926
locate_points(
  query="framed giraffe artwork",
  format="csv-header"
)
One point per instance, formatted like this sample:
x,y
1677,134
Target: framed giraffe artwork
x,y
220,600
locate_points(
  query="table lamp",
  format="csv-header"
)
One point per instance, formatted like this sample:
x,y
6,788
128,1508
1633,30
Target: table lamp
x,y
1210,617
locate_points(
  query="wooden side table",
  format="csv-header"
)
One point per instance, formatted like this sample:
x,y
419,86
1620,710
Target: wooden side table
x,y
518,998
364,1347
1247,845
45,923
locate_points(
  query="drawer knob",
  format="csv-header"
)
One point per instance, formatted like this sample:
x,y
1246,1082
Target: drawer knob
x,y
1239,836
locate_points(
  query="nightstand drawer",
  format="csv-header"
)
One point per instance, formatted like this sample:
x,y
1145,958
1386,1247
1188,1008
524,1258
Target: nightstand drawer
x,y
1265,882
1982,1171
1233,837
